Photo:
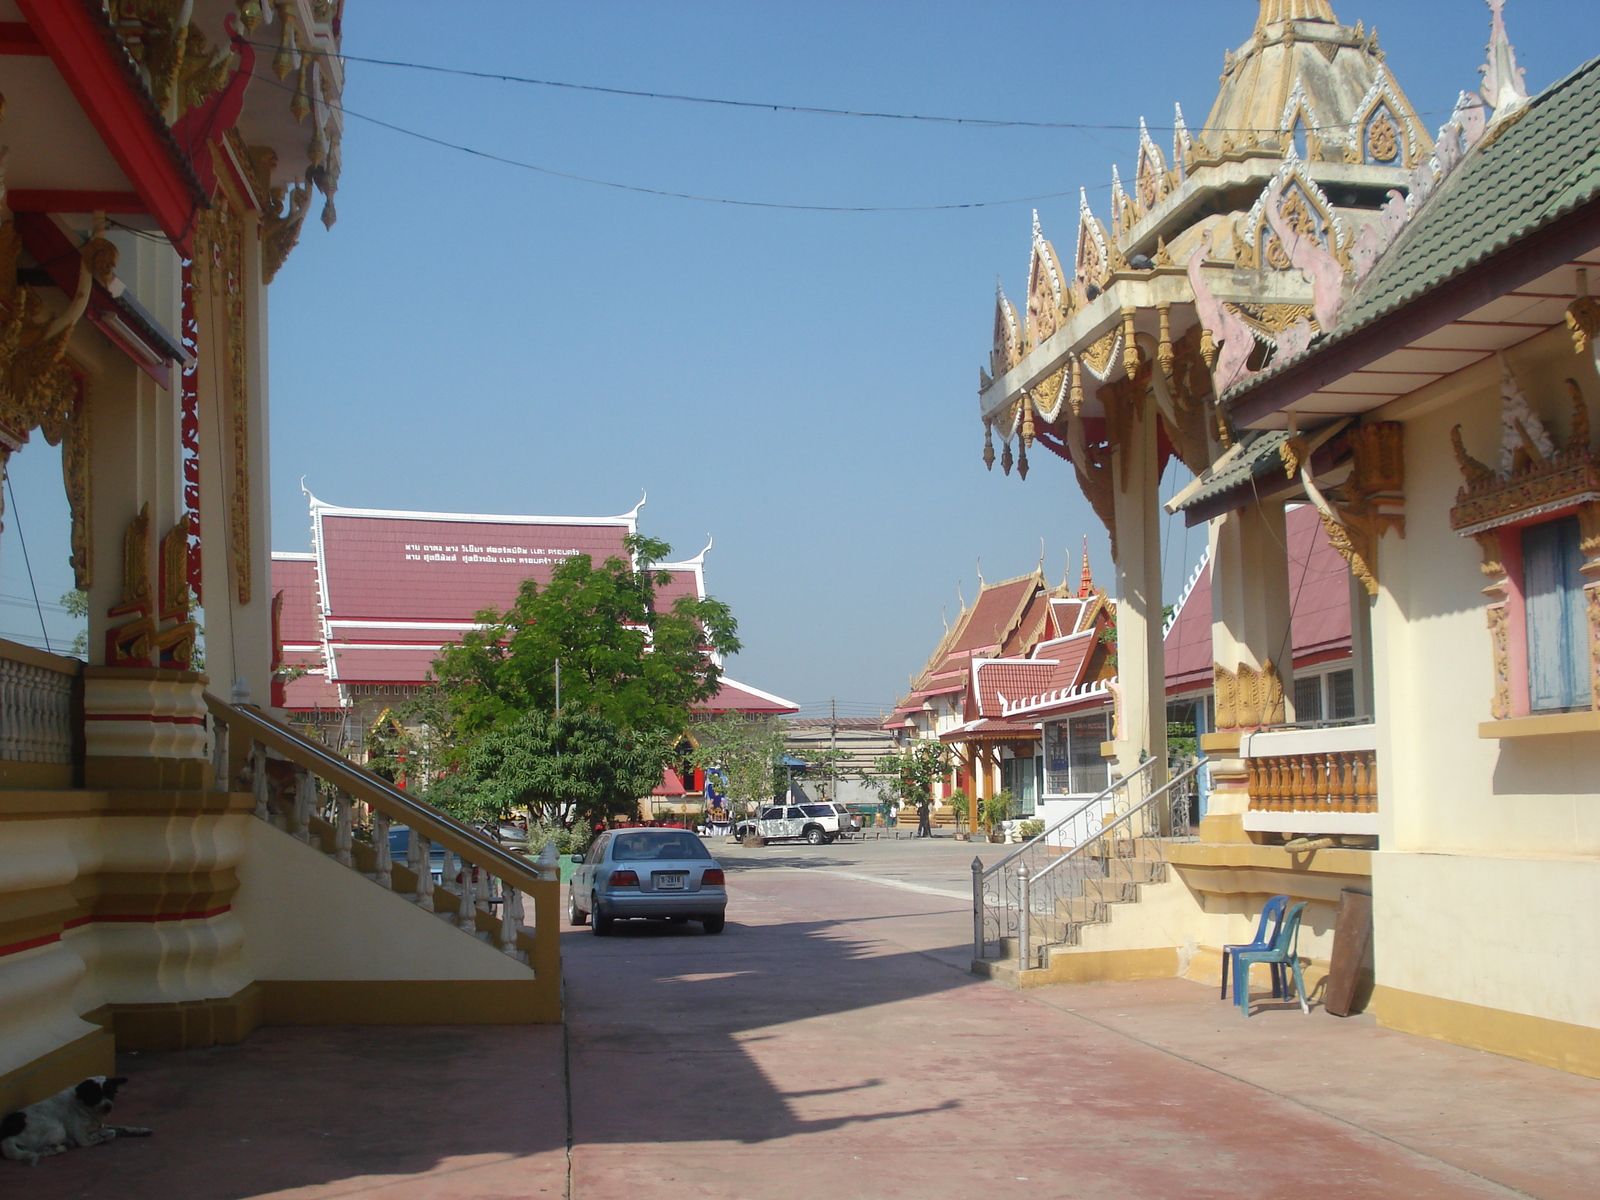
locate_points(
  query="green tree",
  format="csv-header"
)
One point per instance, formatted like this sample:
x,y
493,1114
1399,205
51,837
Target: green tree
x,y
565,768
636,665
747,751
76,602
908,777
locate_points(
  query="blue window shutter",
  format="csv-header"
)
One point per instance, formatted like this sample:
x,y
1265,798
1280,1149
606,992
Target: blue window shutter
x,y
1552,585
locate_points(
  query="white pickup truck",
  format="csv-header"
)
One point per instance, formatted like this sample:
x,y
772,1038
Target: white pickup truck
x,y
817,823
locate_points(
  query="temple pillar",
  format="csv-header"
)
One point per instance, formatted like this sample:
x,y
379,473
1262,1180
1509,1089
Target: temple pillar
x,y
235,530
144,716
1251,651
1141,728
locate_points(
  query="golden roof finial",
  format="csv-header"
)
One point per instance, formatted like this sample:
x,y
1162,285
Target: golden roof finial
x,y
1275,11
1086,580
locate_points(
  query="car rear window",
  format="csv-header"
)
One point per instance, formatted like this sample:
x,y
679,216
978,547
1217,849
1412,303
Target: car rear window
x,y
818,810
643,847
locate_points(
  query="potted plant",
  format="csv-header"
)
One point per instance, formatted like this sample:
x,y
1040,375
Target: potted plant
x,y
960,805
996,811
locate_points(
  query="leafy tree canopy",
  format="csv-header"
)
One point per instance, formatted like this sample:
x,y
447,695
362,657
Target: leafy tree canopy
x,y
908,777
747,751
622,657
574,766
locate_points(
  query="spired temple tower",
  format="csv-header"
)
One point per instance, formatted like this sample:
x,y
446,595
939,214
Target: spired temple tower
x,y
1232,248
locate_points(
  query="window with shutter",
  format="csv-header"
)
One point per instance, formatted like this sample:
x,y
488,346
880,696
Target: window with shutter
x,y
1552,587
1308,698
1342,695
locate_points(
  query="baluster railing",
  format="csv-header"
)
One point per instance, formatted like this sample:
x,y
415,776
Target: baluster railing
x,y
36,706
1074,889
305,803
1330,781
357,821
419,857
383,862
996,903
342,839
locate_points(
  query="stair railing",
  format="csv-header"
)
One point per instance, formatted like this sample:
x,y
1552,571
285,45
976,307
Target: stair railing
x,y
996,891
488,878
1106,868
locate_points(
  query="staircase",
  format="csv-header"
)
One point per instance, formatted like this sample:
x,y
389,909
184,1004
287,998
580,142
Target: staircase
x,y
344,814
1034,906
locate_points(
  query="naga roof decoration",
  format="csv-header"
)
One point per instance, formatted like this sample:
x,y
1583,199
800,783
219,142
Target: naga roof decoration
x,y
1047,297
1092,259
1182,143
1151,182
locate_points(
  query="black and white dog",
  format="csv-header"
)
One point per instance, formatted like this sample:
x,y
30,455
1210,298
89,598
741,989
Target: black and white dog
x,y
72,1117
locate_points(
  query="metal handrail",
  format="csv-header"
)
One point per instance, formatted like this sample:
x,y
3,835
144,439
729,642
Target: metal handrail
x,y
363,785
1122,819
1116,785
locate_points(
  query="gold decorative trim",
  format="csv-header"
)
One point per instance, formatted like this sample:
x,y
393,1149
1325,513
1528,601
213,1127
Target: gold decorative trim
x,y
1248,698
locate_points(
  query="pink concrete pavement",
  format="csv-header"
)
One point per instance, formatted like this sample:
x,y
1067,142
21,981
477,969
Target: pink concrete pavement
x,y
828,1044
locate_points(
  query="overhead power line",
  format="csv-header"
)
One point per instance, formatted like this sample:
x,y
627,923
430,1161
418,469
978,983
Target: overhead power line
x,y
760,105
649,191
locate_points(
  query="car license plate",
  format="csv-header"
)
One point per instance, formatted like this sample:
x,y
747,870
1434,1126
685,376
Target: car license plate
x,y
667,883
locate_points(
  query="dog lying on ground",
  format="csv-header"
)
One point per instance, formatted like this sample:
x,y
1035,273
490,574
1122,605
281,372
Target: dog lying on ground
x,y
72,1117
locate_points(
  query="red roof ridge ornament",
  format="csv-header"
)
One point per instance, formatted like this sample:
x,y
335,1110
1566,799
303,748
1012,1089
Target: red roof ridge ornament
x,y
1085,580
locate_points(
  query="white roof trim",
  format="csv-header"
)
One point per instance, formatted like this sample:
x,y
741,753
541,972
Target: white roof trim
x,y
755,691
293,556
1188,588
628,520
341,646
439,625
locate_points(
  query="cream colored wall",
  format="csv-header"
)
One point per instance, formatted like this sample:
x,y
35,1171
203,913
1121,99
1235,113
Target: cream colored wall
x,y
1488,847
1505,932
307,917
47,865
1444,788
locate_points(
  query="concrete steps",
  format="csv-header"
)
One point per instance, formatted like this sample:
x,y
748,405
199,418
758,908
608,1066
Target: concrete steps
x,y
1130,865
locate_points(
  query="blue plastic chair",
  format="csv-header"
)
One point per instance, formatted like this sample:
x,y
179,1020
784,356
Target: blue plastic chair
x,y
1265,939
1284,950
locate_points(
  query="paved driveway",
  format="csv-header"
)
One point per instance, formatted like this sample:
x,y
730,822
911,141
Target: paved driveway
x,y
832,1044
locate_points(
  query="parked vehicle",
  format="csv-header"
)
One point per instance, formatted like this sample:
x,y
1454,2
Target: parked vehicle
x,y
817,823
647,873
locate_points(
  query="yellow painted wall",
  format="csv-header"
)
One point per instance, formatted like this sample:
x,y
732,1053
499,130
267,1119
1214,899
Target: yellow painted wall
x,y
1490,849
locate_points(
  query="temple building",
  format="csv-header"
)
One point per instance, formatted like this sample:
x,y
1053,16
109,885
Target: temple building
x,y
367,610
179,866
1314,302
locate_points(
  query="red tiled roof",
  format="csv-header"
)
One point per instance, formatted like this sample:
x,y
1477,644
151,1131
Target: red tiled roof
x,y
734,696
1319,597
415,569
296,578
372,664
1013,679
988,619
1188,643
1319,587
311,691
670,785
684,583
988,729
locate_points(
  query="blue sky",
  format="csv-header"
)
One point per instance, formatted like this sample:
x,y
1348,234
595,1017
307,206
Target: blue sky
x,y
475,337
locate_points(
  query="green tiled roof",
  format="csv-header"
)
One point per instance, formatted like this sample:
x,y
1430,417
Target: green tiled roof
x,y
1258,458
1540,167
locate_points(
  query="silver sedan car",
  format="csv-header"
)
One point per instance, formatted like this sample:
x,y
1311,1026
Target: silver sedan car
x,y
647,873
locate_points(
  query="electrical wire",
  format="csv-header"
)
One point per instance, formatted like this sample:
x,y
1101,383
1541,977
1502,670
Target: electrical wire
x,y
16,521
771,106
649,191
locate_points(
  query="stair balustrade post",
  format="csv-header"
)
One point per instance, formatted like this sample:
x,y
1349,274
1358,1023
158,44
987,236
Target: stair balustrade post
x,y
419,855
1024,916
341,831
383,865
258,779
510,920
467,914
305,801
549,862
219,755
977,907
